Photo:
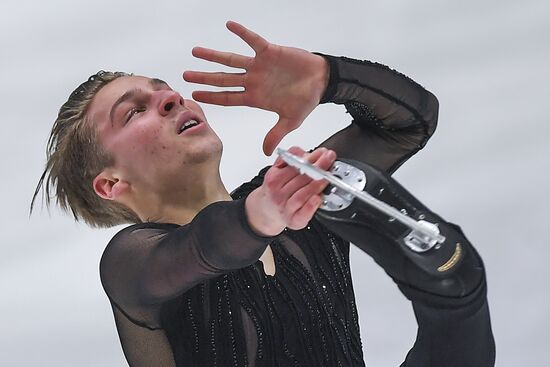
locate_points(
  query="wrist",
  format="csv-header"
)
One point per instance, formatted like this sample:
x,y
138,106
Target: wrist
x,y
260,214
322,76
333,77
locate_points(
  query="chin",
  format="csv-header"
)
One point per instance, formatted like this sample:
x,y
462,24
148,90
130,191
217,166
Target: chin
x,y
210,150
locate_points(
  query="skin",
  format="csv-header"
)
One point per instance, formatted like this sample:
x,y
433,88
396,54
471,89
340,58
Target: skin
x,y
169,177
160,174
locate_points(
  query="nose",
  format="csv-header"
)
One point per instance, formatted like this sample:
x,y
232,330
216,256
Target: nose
x,y
168,101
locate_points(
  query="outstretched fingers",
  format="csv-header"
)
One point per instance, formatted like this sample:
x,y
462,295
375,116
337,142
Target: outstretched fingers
x,y
220,98
218,79
254,40
225,58
276,134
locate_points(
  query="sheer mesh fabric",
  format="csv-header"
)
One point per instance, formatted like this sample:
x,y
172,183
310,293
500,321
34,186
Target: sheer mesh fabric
x,y
196,295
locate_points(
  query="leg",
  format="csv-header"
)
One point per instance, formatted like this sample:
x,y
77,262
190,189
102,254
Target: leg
x,y
445,283
452,268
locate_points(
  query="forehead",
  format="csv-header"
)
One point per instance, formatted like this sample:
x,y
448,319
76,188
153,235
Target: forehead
x,y
105,98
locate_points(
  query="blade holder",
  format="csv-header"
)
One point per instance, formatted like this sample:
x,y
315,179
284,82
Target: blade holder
x,y
423,235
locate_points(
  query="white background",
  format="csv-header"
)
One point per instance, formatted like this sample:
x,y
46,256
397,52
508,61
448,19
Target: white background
x,y
486,168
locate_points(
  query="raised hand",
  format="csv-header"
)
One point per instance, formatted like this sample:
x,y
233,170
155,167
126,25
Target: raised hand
x,y
288,81
287,198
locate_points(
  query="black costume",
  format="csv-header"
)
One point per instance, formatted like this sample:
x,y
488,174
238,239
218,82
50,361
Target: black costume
x,y
198,294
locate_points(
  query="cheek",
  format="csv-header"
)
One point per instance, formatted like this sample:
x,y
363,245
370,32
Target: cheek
x,y
141,142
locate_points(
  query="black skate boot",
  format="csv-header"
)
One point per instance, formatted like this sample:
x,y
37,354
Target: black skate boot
x,y
450,268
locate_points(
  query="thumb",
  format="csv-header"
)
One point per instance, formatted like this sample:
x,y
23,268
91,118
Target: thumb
x,y
276,134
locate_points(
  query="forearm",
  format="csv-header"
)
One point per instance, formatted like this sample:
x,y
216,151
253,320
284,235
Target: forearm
x,y
148,263
393,116
225,237
374,93
218,240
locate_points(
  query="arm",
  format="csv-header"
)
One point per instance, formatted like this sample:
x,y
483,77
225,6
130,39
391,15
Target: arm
x,y
393,117
149,263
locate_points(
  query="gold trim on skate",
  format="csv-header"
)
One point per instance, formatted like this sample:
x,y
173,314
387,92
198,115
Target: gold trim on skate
x,y
453,260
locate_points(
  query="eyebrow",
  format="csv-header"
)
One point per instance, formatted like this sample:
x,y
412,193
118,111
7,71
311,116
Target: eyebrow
x,y
155,82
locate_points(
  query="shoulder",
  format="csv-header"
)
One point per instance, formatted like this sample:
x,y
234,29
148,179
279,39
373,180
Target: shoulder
x,y
140,233
130,246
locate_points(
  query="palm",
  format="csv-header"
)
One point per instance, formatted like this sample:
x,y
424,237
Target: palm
x,y
272,81
285,80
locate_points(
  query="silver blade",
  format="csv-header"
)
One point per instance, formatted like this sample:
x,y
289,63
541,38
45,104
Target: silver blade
x,y
317,174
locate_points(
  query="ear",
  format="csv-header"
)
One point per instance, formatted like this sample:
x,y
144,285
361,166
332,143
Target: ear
x,y
108,186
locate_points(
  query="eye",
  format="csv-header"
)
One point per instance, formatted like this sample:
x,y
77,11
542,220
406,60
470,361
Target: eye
x,y
134,111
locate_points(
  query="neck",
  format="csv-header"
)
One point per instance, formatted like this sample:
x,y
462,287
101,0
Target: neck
x,y
182,208
180,203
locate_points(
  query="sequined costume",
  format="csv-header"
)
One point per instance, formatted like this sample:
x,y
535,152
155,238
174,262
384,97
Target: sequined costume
x,y
197,295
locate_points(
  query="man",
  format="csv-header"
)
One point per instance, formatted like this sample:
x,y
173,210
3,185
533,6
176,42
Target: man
x,y
205,278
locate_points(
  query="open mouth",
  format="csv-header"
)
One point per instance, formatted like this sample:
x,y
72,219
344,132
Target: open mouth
x,y
187,125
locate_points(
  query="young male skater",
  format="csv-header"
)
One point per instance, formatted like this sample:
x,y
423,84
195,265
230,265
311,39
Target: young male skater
x,y
202,277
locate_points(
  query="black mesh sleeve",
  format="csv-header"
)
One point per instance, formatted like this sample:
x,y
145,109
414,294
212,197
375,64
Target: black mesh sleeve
x,y
393,116
168,259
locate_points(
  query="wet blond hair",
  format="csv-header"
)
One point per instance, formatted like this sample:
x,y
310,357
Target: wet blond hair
x,y
75,157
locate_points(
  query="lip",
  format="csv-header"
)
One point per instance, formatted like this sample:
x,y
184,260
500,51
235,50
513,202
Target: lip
x,y
191,130
186,116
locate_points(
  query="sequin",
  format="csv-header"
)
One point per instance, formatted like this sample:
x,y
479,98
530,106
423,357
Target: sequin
x,y
301,317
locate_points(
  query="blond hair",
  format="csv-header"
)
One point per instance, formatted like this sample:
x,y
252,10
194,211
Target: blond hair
x,y
75,157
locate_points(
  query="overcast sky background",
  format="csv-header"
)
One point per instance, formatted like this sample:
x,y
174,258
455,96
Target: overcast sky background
x,y
486,167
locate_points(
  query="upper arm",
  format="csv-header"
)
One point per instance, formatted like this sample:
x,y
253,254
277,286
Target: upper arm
x,y
143,346
148,264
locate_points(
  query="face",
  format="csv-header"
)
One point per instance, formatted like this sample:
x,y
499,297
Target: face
x,y
143,124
